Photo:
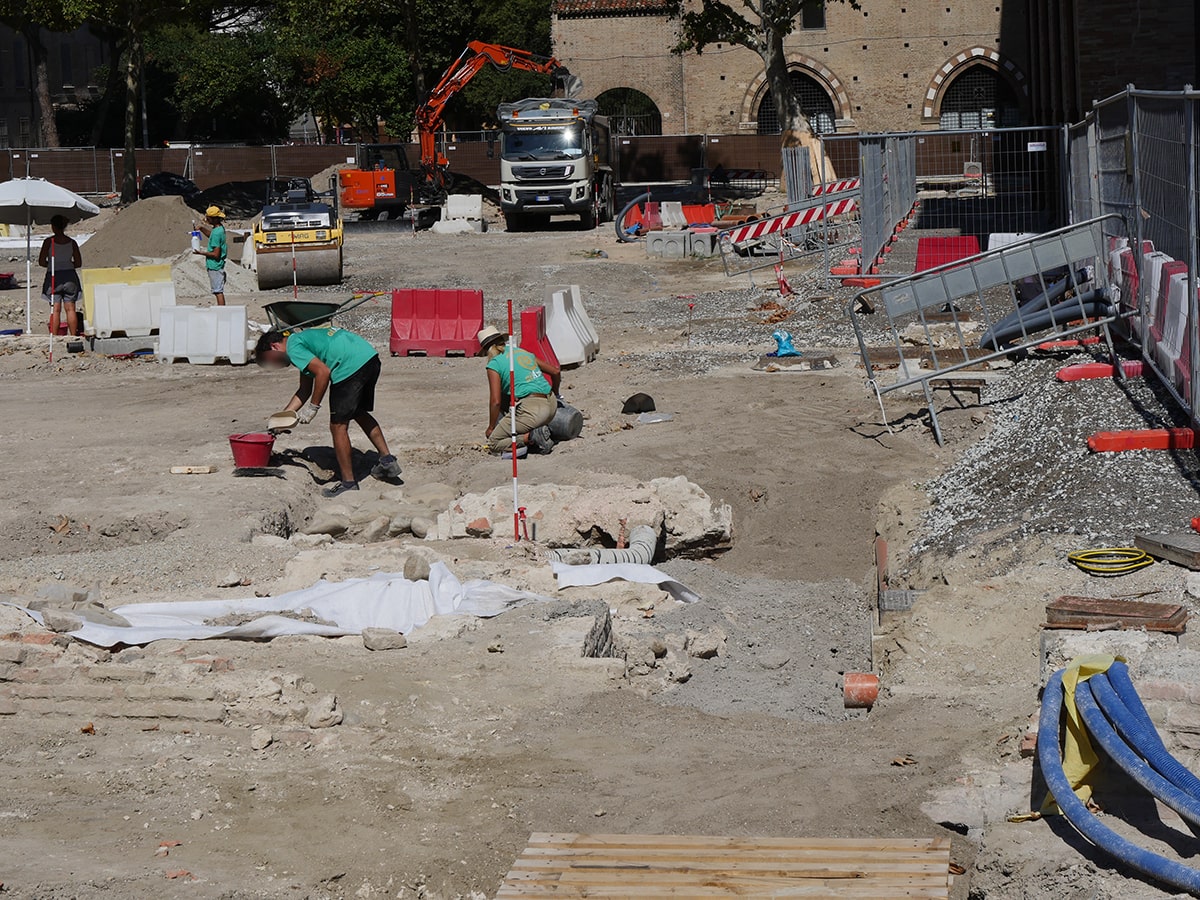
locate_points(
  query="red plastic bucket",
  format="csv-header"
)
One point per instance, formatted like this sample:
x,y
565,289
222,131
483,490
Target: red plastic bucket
x,y
251,451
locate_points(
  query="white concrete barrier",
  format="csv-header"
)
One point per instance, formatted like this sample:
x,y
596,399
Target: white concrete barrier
x,y
568,326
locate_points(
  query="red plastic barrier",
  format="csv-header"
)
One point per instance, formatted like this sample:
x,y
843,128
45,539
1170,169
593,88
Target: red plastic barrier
x,y
653,217
699,213
1158,326
1183,365
436,321
1091,371
938,251
1146,439
1050,346
533,334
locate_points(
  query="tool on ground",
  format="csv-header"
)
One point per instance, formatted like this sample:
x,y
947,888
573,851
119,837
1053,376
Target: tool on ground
x,y
1108,562
512,420
296,221
524,523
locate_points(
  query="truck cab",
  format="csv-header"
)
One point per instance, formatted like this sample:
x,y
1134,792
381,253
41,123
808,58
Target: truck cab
x,y
555,159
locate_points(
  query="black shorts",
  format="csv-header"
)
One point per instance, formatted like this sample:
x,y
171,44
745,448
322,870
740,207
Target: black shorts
x,y
355,395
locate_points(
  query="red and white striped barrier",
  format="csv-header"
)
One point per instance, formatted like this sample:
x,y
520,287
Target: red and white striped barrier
x,y
786,222
833,187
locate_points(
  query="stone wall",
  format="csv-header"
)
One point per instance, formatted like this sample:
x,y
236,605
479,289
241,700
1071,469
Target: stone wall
x,y
878,65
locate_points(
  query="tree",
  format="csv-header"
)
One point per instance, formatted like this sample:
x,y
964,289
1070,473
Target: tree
x,y
30,18
761,26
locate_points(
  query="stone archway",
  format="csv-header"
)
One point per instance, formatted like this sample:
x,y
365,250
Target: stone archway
x,y
804,65
957,64
630,111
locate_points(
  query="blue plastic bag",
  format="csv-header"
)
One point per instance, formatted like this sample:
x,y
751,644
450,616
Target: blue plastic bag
x,y
784,346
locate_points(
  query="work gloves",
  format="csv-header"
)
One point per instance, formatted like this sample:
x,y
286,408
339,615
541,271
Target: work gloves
x,y
307,413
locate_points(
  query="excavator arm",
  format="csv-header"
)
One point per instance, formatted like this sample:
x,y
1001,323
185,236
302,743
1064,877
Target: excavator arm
x,y
458,76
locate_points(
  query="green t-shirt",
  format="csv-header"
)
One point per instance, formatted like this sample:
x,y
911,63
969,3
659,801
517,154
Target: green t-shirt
x,y
530,379
216,241
344,352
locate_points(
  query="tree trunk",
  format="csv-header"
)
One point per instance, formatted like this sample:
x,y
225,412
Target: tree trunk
x,y
129,185
792,122
794,125
46,128
414,49
112,84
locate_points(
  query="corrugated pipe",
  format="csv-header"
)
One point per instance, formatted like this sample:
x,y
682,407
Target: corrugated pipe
x,y
643,543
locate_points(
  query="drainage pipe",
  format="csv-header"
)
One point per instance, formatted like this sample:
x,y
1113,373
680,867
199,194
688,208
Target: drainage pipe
x,y
643,543
619,222
1091,304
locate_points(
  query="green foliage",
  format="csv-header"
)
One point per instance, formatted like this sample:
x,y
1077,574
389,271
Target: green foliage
x,y
236,70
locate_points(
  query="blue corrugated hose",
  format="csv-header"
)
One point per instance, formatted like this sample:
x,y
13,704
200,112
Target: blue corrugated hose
x,y
1167,871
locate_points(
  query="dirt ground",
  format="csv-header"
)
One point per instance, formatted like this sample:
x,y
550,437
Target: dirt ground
x,y
450,752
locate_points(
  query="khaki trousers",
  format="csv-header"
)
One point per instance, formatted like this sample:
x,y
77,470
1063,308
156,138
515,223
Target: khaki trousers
x,y
532,412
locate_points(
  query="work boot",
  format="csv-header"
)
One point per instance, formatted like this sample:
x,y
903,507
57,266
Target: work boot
x,y
540,440
340,488
387,467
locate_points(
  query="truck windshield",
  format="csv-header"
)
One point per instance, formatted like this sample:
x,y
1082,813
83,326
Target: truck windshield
x,y
543,145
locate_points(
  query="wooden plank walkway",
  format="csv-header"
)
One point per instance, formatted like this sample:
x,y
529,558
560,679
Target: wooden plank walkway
x,y
631,865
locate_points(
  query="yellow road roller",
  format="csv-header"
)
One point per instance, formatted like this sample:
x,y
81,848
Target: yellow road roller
x,y
298,240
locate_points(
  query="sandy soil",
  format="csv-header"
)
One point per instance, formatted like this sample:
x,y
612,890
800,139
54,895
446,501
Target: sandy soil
x,y
450,752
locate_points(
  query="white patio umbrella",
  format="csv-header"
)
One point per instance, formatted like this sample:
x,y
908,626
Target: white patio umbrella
x,y
35,201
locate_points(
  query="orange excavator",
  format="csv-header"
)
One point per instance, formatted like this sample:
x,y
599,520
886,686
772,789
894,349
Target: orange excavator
x,y
384,182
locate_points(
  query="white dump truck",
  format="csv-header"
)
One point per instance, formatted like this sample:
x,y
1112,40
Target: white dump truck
x,y
555,159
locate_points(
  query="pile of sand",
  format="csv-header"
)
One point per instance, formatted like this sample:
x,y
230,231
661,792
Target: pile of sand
x,y
157,227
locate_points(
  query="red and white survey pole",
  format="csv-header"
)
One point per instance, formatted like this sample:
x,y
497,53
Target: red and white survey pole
x,y
512,420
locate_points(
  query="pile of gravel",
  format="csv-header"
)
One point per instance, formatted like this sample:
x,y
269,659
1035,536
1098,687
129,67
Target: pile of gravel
x,y
1032,472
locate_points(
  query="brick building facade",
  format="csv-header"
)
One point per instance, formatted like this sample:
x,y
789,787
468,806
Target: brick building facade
x,y
1085,50
894,66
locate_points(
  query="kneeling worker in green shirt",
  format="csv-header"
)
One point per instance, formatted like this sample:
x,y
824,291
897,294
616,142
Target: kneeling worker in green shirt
x,y
341,363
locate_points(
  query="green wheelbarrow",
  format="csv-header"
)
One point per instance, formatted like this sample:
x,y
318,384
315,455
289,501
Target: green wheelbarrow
x,y
293,314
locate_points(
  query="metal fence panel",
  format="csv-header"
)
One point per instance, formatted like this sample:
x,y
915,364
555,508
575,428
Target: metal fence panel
x,y
970,311
797,173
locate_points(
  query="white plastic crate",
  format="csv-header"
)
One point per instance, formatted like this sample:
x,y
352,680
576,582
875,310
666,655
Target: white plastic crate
x,y
130,309
203,334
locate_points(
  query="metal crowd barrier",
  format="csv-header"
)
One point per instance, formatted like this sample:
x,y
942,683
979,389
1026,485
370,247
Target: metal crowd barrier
x,y
988,306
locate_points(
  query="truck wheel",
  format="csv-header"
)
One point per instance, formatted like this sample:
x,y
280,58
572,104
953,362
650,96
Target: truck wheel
x,y
610,202
515,222
591,218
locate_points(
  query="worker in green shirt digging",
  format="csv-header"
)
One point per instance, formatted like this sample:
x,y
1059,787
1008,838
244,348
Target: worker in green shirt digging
x,y
338,362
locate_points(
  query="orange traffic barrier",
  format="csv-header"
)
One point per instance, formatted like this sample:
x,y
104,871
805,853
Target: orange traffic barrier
x,y
1143,439
1090,371
1049,346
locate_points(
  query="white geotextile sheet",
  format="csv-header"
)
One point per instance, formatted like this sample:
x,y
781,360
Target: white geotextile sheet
x,y
380,601
600,573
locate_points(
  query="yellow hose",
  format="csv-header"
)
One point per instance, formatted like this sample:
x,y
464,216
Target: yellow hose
x,y
1110,561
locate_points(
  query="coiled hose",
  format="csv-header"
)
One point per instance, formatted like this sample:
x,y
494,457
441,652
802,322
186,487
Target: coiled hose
x,y
619,222
1124,756
1121,703
1167,871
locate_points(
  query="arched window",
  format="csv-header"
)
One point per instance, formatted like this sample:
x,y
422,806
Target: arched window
x,y
979,97
814,102
630,111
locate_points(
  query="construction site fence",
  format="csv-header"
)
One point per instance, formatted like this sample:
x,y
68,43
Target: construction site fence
x,y
1136,154
754,161
972,182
